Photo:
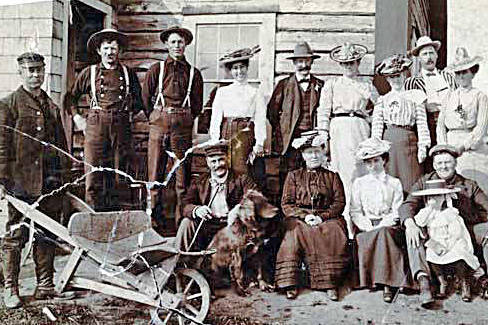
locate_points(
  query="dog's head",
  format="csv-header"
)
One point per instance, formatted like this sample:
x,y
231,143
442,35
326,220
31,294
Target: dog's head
x,y
248,213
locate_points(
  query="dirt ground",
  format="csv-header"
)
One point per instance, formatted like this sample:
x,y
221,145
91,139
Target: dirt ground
x,y
311,307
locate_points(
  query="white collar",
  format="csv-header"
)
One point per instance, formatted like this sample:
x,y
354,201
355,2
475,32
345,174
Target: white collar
x,y
425,73
382,177
240,83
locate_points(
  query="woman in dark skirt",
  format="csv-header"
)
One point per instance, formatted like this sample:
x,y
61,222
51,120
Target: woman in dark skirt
x,y
313,201
375,200
400,118
239,113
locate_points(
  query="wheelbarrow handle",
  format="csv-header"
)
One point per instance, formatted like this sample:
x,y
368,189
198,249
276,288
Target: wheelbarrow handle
x,y
200,253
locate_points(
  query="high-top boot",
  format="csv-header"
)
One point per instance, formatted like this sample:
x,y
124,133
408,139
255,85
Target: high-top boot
x,y
11,267
43,253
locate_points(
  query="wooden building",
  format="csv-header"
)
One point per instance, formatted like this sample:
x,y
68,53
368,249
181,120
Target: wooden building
x,y
61,28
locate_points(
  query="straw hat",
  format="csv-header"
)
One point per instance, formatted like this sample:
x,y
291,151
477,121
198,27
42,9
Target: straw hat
x,y
393,65
463,61
372,147
239,55
436,187
183,32
348,52
443,148
422,42
302,51
220,147
96,38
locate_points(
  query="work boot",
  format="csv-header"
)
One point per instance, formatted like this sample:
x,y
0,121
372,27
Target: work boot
x,y
425,291
11,267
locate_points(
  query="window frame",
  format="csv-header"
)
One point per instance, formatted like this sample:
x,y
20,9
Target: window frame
x,y
266,41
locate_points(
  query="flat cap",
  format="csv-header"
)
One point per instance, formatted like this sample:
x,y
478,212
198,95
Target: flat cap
x,y
443,148
220,147
30,57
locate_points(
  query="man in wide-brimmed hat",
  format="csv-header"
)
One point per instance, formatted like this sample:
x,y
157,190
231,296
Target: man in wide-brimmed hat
x,y
292,107
28,169
173,95
471,202
433,82
115,94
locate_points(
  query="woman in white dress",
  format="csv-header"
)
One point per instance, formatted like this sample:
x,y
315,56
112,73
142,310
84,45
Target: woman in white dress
x,y
375,199
239,113
344,113
400,118
463,121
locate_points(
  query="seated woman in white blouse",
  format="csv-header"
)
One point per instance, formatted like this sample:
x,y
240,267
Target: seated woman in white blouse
x,y
375,200
239,113
463,121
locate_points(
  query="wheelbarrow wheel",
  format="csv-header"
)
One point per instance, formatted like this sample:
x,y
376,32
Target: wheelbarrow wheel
x,y
192,288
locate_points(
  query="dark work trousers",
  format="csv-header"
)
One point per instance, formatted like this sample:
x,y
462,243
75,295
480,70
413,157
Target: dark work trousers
x,y
170,129
432,125
107,144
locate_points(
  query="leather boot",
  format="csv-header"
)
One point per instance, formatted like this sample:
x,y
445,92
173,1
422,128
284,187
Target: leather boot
x,y
43,254
425,291
11,267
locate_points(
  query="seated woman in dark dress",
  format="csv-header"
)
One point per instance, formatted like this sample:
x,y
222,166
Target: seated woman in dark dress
x,y
313,201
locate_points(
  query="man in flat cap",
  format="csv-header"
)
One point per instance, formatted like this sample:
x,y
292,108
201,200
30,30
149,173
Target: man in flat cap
x,y
173,95
210,197
433,82
293,106
115,94
28,169
471,202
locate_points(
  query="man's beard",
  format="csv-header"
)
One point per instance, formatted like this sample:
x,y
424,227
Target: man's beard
x,y
307,68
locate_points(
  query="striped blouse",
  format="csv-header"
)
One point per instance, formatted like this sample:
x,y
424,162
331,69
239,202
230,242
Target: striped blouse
x,y
464,109
404,108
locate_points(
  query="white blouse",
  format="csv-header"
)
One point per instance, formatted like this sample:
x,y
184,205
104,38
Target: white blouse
x,y
239,100
375,197
464,109
345,95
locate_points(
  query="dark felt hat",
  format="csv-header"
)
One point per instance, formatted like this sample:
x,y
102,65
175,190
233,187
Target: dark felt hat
x,y
109,33
185,33
303,50
220,147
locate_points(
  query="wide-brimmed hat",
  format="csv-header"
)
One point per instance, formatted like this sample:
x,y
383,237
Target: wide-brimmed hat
x,y
348,52
303,50
463,61
239,55
109,33
220,147
443,148
393,65
185,33
436,187
422,42
306,140
372,147
29,57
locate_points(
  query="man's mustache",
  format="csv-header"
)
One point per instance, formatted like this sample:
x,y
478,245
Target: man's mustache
x,y
306,68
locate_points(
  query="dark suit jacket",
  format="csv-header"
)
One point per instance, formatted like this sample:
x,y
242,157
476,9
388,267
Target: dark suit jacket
x,y
284,110
200,191
472,203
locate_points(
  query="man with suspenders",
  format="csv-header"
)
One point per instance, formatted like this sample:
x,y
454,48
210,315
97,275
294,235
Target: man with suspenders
x,y
115,93
172,93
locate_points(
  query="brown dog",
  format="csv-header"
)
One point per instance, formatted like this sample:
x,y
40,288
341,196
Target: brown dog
x,y
242,238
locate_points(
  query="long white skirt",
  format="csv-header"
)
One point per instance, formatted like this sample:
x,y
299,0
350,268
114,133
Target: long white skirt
x,y
345,135
472,164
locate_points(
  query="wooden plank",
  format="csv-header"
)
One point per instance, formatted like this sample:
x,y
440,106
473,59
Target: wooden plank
x,y
320,22
138,7
156,55
324,65
69,269
343,6
150,22
325,41
145,42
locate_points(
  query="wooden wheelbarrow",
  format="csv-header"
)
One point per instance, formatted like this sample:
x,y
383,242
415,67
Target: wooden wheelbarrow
x,y
119,254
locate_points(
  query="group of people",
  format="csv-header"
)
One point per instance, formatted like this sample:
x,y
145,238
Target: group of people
x,y
401,181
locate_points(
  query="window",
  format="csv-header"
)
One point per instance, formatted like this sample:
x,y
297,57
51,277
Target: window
x,y
216,35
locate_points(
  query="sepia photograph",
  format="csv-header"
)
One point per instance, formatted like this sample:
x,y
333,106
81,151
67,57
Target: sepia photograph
x,y
243,162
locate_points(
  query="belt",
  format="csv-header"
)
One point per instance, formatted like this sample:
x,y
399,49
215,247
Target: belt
x,y
406,127
350,114
237,119
171,109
